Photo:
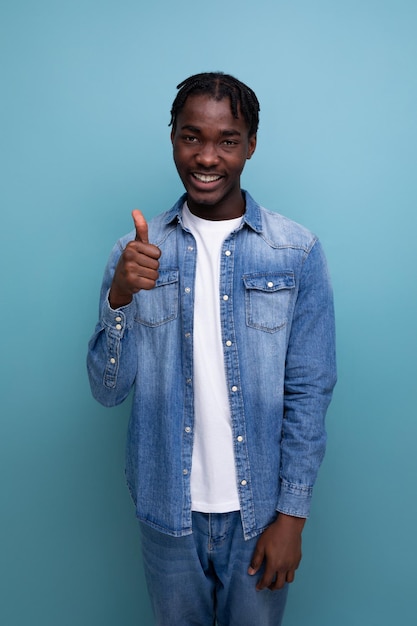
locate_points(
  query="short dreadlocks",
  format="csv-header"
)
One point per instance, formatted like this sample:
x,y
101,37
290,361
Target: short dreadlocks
x,y
219,85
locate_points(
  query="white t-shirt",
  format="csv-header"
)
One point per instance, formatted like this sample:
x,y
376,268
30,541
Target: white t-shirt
x,y
213,475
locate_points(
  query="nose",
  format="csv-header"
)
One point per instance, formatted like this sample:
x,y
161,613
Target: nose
x,y
207,155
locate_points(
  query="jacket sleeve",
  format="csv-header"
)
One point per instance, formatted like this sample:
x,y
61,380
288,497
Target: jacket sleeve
x,y
310,376
112,350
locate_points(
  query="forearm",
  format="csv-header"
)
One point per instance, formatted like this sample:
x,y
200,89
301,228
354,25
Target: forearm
x,y
112,355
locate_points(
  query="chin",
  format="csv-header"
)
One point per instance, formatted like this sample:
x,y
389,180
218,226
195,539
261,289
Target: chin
x,y
206,198
202,201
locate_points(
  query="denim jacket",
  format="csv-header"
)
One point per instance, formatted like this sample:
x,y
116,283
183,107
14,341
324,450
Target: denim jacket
x,y
277,327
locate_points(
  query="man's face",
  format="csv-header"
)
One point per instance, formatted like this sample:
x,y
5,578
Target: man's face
x,y
210,151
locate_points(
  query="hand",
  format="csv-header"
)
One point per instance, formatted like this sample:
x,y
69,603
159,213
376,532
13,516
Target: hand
x,y
279,548
137,267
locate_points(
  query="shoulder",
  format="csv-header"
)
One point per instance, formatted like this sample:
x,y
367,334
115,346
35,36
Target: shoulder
x,y
276,229
281,231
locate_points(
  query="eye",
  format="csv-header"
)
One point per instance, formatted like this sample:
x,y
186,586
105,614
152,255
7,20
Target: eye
x,y
190,138
229,142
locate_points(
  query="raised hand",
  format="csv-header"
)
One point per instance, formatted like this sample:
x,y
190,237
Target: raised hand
x,y
137,267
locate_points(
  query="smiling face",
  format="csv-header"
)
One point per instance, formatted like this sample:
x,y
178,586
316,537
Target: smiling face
x,y
210,151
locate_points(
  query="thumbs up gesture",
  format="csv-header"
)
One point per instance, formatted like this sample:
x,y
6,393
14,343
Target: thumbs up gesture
x,y
137,267
141,226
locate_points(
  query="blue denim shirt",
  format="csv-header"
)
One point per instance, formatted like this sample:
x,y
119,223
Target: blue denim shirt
x,y
277,327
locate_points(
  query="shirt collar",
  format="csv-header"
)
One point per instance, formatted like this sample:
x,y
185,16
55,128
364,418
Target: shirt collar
x,y
252,216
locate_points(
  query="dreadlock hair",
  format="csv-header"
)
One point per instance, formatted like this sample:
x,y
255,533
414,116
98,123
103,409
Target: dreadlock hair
x,y
219,85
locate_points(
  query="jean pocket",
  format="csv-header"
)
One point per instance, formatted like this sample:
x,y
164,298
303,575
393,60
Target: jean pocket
x,y
267,299
160,304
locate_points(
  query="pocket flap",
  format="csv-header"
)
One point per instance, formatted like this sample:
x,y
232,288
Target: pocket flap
x,y
269,281
166,277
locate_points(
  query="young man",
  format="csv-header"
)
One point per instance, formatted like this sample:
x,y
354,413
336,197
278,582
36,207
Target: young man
x,y
219,315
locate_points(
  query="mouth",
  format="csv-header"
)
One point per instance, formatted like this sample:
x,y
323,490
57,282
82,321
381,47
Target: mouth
x,y
206,178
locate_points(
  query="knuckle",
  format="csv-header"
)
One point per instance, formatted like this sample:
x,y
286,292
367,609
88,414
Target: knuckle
x,y
128,254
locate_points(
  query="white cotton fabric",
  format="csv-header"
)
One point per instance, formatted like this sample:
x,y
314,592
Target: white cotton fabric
x,y
213,476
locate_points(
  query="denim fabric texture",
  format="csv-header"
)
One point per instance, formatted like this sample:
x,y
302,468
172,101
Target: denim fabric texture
x,y
277,326
199,578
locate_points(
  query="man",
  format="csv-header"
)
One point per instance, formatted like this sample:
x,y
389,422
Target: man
x,y
219,315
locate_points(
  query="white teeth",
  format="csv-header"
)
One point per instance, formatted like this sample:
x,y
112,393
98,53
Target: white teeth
x,y
205,178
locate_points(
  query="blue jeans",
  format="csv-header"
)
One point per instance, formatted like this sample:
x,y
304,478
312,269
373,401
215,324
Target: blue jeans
x,y
202,580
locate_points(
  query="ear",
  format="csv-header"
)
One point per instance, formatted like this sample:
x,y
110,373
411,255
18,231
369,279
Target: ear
x,y
251,146
172,136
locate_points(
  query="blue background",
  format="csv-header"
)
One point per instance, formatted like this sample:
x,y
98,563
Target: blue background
x,y
86,89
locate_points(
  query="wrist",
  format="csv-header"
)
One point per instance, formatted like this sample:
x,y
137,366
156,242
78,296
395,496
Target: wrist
x,y
117,300
291,522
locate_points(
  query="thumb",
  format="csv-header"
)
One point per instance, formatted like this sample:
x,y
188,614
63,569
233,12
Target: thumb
x,y
141,226
256,561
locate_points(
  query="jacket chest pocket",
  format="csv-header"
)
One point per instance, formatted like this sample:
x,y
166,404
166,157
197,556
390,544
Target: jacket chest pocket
x,y
160,304
267,299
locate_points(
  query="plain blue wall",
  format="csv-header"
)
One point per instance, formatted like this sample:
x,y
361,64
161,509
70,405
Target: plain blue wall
x,y
86,88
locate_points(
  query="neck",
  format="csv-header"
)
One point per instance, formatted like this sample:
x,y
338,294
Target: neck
x,y
228,209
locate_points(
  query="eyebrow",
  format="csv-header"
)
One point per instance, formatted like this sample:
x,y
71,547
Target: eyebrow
x,y
231,133
225,133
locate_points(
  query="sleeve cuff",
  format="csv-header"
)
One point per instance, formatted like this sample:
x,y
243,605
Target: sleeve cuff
x,y
117,320
294,499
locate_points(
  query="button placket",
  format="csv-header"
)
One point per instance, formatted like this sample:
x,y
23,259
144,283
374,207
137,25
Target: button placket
x,y
227,284
187,295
